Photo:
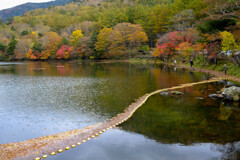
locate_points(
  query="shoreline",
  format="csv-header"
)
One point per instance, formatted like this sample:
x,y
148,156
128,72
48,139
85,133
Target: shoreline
x,y
216,74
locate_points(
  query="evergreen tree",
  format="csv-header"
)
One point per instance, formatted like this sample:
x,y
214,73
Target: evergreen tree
x,y
12,46
65,41
2,47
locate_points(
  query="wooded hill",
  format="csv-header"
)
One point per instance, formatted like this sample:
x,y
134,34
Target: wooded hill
x,y
19,10
98,29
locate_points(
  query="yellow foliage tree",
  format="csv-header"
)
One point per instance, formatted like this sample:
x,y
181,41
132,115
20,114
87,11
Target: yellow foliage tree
x,y
127,38
228,41
75,38
35,36
102,43
137,38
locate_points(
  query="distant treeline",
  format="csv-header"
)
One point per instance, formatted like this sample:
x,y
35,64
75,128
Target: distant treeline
x,y
100,29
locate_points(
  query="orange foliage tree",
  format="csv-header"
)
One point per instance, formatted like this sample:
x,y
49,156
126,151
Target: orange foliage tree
x,y
185,48
52,43
33,54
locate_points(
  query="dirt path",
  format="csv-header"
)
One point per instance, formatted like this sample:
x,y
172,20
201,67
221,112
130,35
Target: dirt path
x,y
42,147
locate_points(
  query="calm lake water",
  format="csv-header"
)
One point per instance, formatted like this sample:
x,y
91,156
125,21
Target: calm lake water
x,y
41,98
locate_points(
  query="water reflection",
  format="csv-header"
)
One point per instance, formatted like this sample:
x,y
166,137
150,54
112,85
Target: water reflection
x,y
40,98
118,145
187,120
169,128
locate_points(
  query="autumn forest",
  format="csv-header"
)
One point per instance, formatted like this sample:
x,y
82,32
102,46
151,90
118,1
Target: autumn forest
x,y
110,29
120,79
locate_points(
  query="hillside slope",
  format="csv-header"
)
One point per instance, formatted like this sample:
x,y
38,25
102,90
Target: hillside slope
x,y
21,9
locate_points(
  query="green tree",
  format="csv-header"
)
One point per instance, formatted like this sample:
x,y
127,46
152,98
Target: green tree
x,y
10,20
157,23
25,32
112,16
65,41
37,47
1,21
12,46
13,28
215,25
2,47
180,5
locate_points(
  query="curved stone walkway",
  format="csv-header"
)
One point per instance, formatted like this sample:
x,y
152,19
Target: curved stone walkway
x,y
42,147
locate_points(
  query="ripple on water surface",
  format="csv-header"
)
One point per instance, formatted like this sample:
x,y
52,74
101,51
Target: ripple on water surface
x,y
41,98
170,127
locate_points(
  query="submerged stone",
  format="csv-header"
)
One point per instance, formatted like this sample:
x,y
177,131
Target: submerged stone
x,y
164,93
177,93
213,96
200,98
230,84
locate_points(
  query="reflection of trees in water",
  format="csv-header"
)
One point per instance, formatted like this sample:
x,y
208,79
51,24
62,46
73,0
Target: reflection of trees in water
x,y
230,151
225,112
187,120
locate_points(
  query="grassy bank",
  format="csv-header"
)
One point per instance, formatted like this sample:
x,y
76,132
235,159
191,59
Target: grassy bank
x,y
199,62
232,68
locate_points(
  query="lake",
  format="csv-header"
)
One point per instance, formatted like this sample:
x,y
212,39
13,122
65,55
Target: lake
x,y
41,98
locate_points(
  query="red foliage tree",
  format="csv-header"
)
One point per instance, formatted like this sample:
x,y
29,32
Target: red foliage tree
x,y
212,51
84,51
168,43
65,52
